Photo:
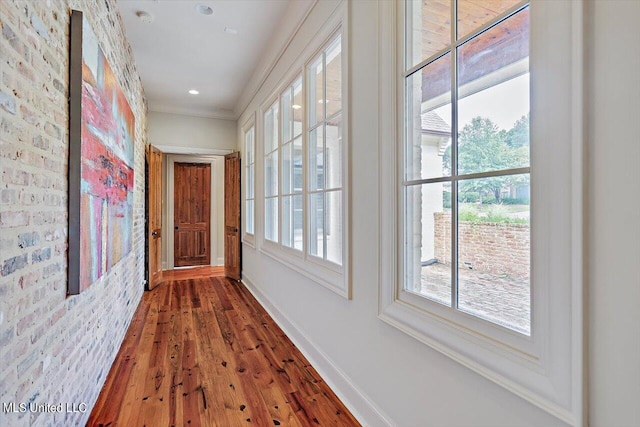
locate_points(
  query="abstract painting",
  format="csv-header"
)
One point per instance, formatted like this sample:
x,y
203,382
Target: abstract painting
x,y
101,163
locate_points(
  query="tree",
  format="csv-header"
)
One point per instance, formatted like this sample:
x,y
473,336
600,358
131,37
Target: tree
x,y
482,147
518,135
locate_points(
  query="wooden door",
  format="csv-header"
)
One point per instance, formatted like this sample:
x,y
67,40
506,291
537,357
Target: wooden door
x,y
154,217
192,219
232,254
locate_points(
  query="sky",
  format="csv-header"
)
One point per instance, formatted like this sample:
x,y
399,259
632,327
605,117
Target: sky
x,y
504,104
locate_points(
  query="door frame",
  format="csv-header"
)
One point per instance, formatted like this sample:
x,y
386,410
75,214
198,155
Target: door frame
x,y
216,163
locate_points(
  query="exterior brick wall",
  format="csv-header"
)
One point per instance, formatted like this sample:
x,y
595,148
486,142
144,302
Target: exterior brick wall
x,y
495,248
53,348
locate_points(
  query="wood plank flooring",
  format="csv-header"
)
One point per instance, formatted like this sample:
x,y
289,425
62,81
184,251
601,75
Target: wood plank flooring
x,y
192,273
203,352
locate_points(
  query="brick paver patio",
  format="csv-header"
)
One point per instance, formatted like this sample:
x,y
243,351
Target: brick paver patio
x,y
504,300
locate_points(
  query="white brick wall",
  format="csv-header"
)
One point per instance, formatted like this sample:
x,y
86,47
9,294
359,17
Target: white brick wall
x,y
53,348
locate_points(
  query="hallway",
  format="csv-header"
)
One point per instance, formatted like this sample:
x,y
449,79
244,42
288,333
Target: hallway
x,y
202,351
390,153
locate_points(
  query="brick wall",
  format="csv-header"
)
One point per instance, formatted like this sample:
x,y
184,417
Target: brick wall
x,y
53,348
495,248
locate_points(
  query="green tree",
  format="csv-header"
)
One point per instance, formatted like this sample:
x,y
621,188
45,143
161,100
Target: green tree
x,y
483,147
518,135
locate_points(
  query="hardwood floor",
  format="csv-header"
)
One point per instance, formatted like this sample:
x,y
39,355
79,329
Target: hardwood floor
x,y
192,273
203,352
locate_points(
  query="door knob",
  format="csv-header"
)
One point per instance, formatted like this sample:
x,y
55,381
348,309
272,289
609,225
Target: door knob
x,y
235,230
175,228
154,233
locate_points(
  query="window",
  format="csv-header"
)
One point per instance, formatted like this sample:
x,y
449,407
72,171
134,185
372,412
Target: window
x,y
481,189
283,168
305,164
250,170
292,111
325,187
466,192
271,148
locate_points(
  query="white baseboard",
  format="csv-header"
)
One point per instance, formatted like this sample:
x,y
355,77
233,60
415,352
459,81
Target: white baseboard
x,y
365,411
220,261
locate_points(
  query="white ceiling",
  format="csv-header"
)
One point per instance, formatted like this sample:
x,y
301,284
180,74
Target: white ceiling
x,y
182,49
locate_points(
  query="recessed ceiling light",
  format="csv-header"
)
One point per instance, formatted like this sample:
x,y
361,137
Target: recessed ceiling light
x,y
230,30
145,17
203,9
193,92
296,106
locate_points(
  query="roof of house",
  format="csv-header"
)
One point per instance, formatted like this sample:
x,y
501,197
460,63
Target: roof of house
x,y
432,123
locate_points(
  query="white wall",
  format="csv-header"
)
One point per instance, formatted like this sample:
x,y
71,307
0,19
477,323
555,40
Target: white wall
x,y
194,132
387,377
614,212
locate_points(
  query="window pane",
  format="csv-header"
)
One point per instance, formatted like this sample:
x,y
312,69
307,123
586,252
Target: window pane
x,y
297,108
271,174
494,250
493,123
428,29
333,226
428,128
249,216
286,115
297,222
249,145
271,219
250,182
473,14
316,159
316,225
297,165
334,78
428,241
275,125
334,152
316,92
287,221
270,130
286,169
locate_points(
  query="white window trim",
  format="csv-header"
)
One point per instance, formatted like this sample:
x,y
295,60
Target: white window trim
x,y
547,368
249,238
324,273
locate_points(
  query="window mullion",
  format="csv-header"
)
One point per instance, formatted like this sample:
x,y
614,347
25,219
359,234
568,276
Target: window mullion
x,y
305,163
454,156
324,192
325,176
279,171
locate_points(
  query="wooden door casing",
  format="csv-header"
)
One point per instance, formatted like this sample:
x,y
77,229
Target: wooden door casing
x,y
192,214
154,216
232,248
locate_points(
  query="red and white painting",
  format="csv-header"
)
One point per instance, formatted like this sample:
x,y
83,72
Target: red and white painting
x,y
107,168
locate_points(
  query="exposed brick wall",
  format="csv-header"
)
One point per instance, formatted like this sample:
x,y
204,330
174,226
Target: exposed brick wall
x,y
495,248
53,348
